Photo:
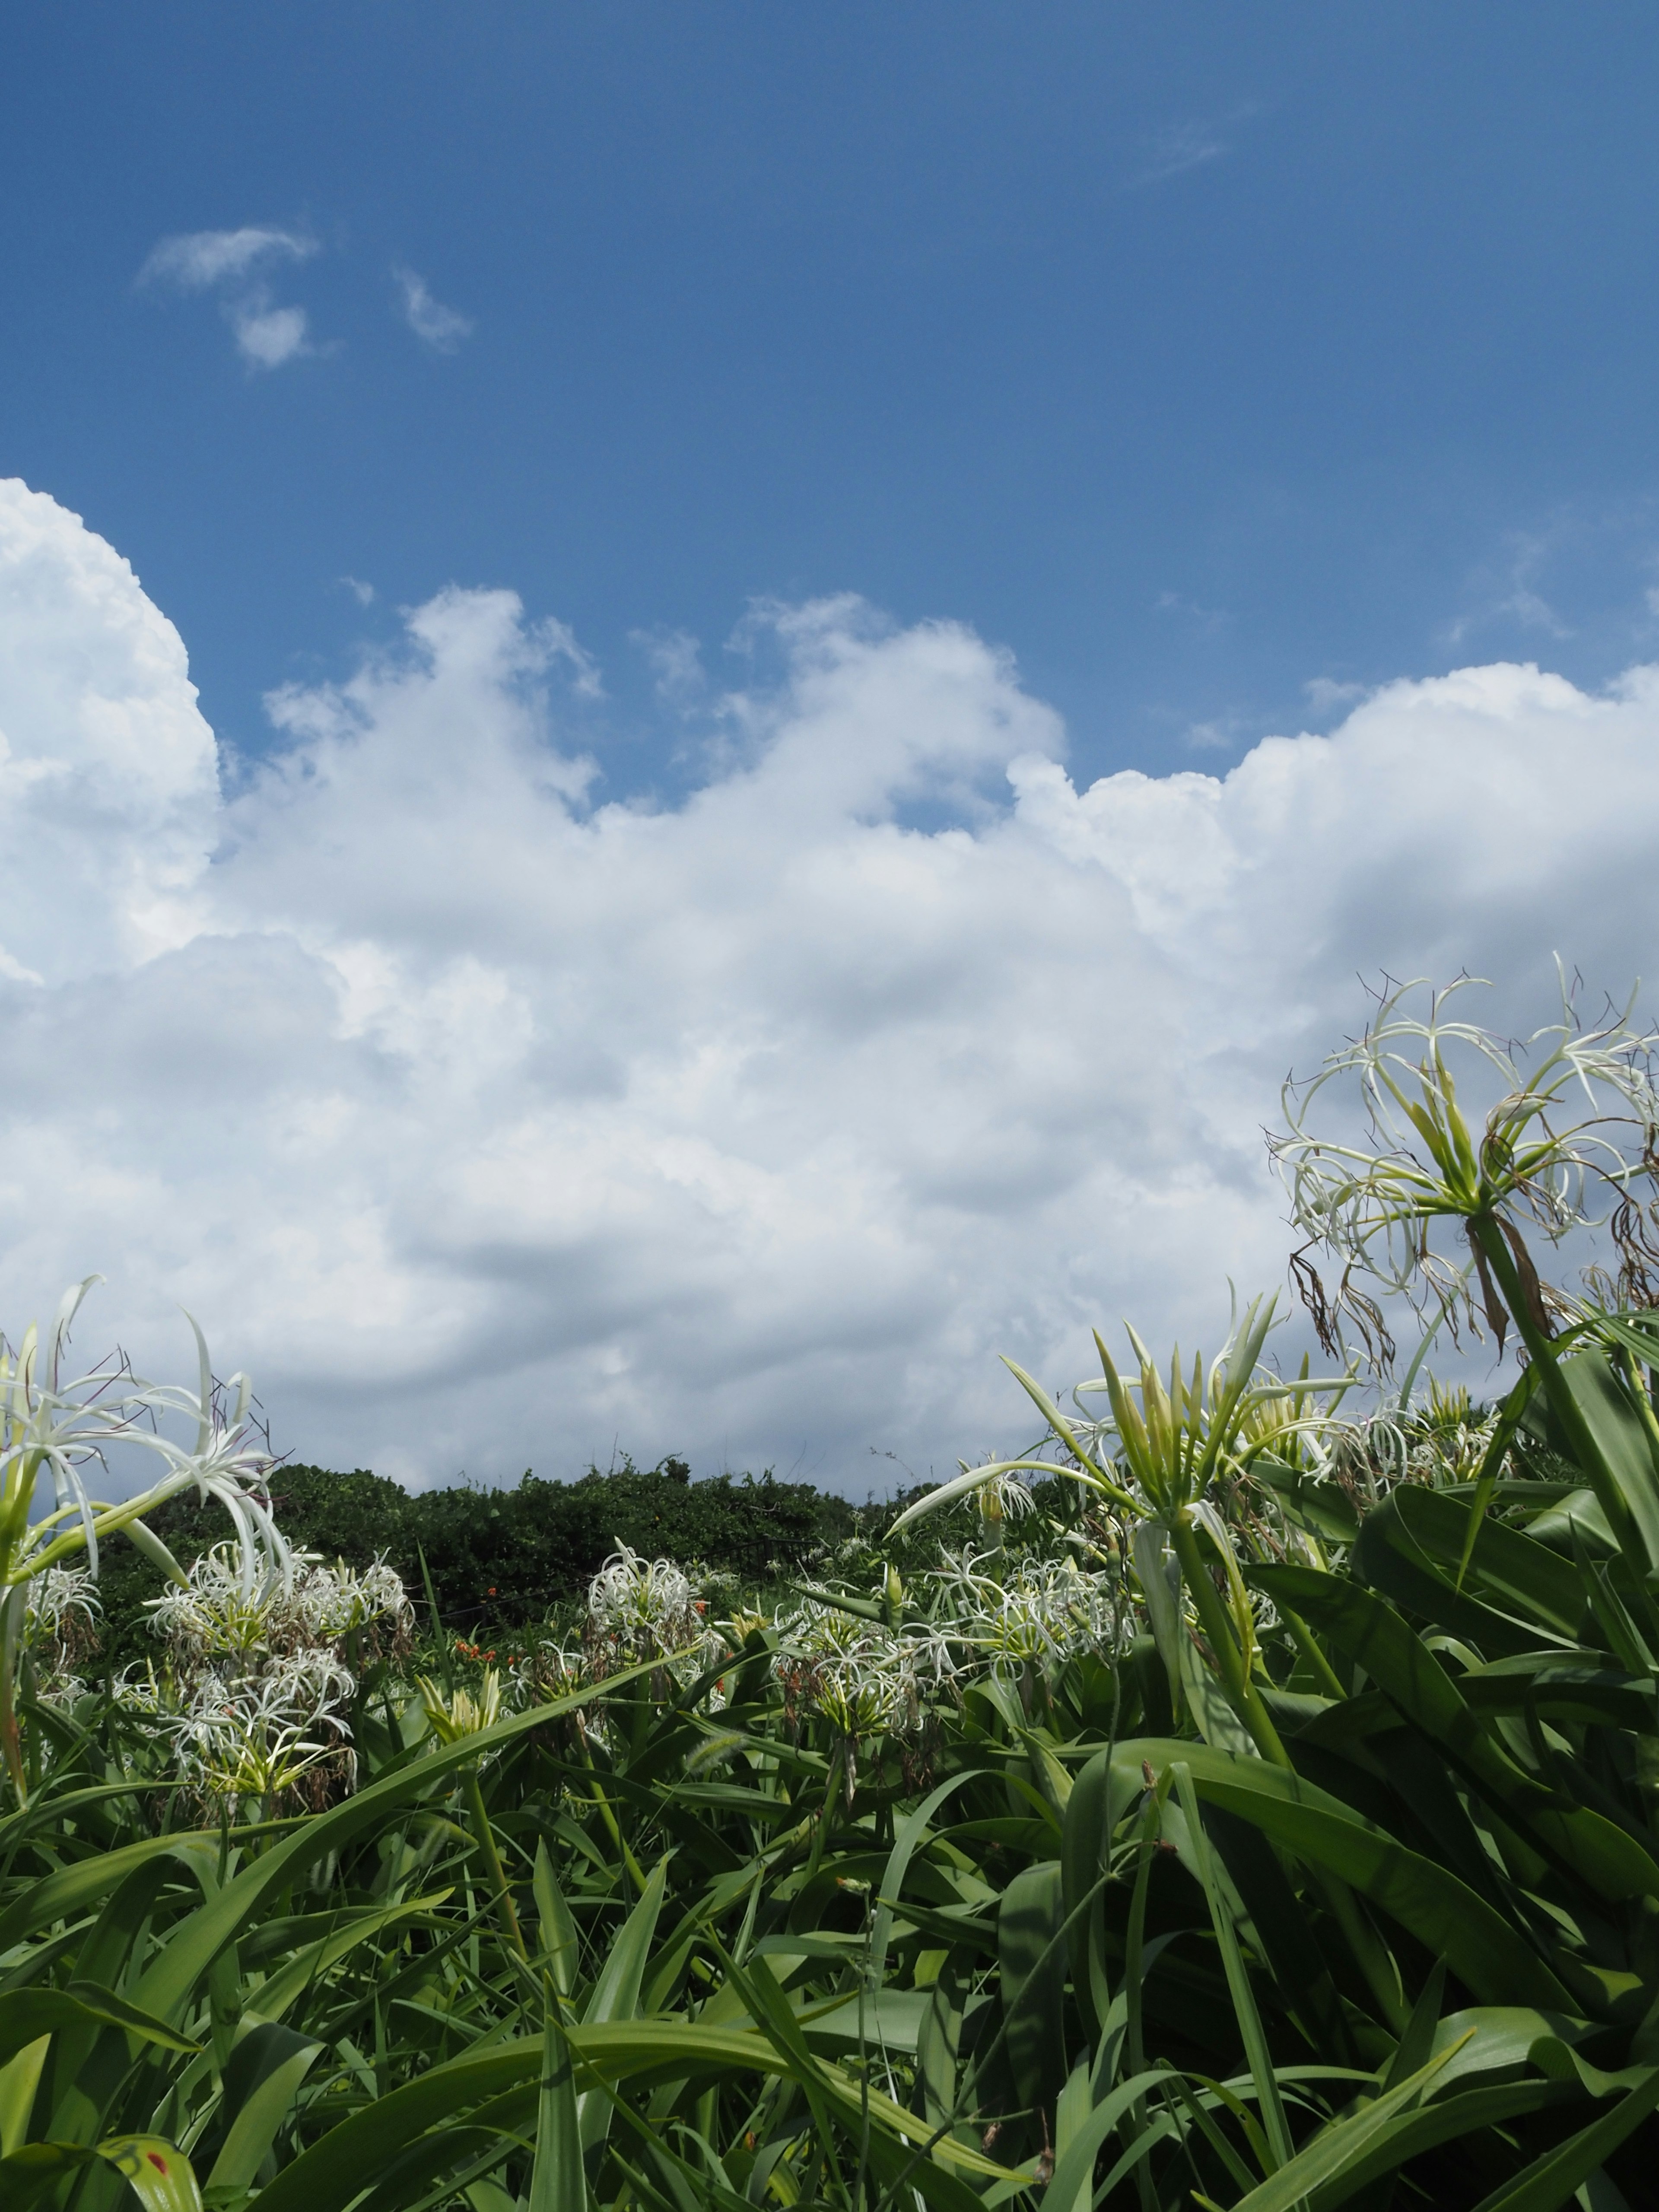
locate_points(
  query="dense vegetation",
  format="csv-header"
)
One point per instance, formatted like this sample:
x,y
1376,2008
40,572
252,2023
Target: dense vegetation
x,y
498,1558
1245,1800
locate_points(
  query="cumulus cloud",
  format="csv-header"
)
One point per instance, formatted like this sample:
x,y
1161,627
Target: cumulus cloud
x,y
229,260
487,1116
441,328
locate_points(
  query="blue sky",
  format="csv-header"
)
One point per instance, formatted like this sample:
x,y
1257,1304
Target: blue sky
x,y
755,574
1195,353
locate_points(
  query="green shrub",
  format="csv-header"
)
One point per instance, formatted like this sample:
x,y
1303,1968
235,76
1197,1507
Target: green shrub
x,y
501,1558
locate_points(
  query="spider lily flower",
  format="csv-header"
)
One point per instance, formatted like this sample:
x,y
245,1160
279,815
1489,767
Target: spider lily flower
x,y
1584,1114
54,1424
640,1608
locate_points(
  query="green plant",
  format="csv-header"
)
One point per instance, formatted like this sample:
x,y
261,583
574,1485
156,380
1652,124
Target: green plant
x,y
1262,1812
54,1422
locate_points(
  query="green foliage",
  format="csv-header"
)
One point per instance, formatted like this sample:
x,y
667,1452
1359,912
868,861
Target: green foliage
x,y
498,1558
1265,1815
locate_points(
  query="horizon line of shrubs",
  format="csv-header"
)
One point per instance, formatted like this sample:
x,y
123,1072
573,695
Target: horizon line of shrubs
x,y
501,1556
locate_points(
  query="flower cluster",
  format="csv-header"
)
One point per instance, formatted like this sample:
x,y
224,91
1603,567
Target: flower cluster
x,y
862,1677
60,1629
1041,1612
255,1689
640,1609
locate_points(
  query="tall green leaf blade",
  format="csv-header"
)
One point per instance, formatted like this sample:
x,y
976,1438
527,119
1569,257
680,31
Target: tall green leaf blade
x,y
557,2181
1032,1957
1551,2179
1487,1954
275,2061
1370,1633
1340,2147
560,1946
159,2176
28,2014
168,1983
1257,2055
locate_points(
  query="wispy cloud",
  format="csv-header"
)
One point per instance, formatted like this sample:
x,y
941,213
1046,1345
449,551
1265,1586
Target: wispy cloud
x,y
1205,618
676,661
440,327
1512,593
1213,737
229,262
195,260
1179,147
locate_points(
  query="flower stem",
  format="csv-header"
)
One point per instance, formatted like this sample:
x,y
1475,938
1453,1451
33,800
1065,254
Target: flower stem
x,y
498,1880
1489,1240
1241,1693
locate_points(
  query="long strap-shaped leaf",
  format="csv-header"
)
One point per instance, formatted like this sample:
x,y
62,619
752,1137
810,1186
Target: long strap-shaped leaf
x,y
1374,1635
168,1983
1481,1947
1339,2146
557,2183
1257,2055
158,2174
1549,2181
330,2172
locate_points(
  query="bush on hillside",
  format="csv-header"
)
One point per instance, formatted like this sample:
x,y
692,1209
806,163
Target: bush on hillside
x,y
502,1556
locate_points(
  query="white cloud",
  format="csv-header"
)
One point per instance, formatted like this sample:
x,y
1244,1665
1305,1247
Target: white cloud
x,y
1325,694
266,335
484,1123
676,661
1179,147
434,324
197,259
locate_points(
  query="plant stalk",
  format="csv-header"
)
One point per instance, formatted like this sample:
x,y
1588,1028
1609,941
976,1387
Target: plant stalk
x,y
498,1881
1241,1693
1489,1240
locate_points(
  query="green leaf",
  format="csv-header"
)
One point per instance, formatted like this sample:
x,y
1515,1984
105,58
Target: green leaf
x,y
168,1983
27,2015
67,1893
1506,1569
560,1946
1032,1955
616,1995
907,1836
1551,2178
261,2083
159,2176
558,2182
270,1998
1448,2119
1256,2052
1491,1464
1623,1476
1340,2147
1076,2162
1481,1948
1372,1634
